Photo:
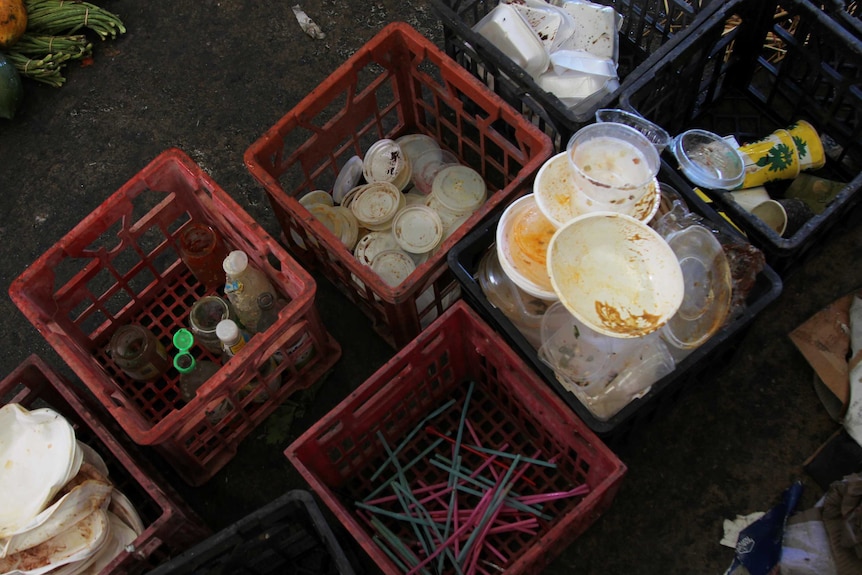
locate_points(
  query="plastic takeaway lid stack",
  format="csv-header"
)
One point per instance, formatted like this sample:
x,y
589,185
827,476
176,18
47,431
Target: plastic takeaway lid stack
x,y
385,161
347,179
372,244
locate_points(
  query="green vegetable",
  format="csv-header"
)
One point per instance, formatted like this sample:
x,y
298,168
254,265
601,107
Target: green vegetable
x,y
47,69
55,17
11,91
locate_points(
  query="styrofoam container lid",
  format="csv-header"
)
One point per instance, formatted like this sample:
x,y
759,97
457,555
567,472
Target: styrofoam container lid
x,y
38,455
316,197
615,274
708,160
384,161
393,266
460,189
347,178
522,238
372,244
507,29
376,204
417,229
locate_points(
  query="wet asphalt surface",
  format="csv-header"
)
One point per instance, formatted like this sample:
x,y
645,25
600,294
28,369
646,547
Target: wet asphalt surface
x,y
209,78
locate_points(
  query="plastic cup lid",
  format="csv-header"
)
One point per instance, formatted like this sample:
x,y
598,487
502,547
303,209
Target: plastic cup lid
x,y
384,161
316,197
393,266
327,216
459,188
349,228
372,244
347,179
417,229
376,204
415,144
708,160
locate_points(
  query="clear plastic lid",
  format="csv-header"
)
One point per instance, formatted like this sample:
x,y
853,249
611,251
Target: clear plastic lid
x,y
417,229
393,266
460,189
347,178
376,204
708,160
708,287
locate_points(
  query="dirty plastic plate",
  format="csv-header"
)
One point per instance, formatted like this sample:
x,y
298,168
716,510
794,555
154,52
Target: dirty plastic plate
x,y
38,455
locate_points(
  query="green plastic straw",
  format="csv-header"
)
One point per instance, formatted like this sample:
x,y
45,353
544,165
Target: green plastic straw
x,y
410,464
410,436
508,455
397,544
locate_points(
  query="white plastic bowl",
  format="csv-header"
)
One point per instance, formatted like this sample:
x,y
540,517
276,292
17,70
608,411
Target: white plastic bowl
x,y
615,274
523,236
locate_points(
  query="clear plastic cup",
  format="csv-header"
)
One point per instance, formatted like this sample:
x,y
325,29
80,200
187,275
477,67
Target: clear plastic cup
x,y
612,163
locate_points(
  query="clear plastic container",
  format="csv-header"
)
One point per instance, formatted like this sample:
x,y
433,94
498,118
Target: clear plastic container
x,y
244,283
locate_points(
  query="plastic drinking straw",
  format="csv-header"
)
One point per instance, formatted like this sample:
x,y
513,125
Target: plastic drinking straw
x,y
512,456
456,454
422,489
391,514
410,464
582,489
479,509
396,543
447,552
410,436
499,496
395,559
496,552
525,526
481,453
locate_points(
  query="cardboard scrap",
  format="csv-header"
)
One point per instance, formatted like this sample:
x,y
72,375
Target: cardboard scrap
x,y
824,341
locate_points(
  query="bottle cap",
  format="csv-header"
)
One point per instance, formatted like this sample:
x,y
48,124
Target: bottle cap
x,y
235,262
184,362
184,339
265,300
227,331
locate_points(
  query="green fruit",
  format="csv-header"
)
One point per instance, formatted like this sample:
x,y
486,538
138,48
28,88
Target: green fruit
x,y
11,90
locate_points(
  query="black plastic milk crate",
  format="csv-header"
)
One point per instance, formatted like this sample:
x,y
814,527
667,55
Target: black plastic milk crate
x,y
650,29
848,13
288,535
619,430
747,71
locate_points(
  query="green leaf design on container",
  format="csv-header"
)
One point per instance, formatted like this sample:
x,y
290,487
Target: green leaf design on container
x,y
801,146
779,157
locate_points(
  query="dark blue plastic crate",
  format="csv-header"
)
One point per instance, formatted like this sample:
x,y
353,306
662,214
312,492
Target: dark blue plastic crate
x,y
728,78
619,430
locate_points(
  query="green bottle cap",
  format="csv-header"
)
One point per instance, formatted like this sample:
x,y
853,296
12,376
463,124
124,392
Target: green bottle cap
x,y
184,339
184,362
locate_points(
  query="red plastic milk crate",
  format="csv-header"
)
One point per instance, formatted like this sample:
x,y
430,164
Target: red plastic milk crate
x,y
169,525
121,265
340,453
399,83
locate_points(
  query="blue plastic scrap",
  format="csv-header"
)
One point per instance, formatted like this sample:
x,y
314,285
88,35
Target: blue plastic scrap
x,y
758,547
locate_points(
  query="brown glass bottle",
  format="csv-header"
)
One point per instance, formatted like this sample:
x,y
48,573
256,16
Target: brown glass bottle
x,y
139,353
203,250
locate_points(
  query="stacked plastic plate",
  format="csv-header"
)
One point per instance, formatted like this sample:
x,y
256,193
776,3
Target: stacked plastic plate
x,y
59,512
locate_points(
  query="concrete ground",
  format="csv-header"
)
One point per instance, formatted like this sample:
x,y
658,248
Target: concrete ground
x,y
210,77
